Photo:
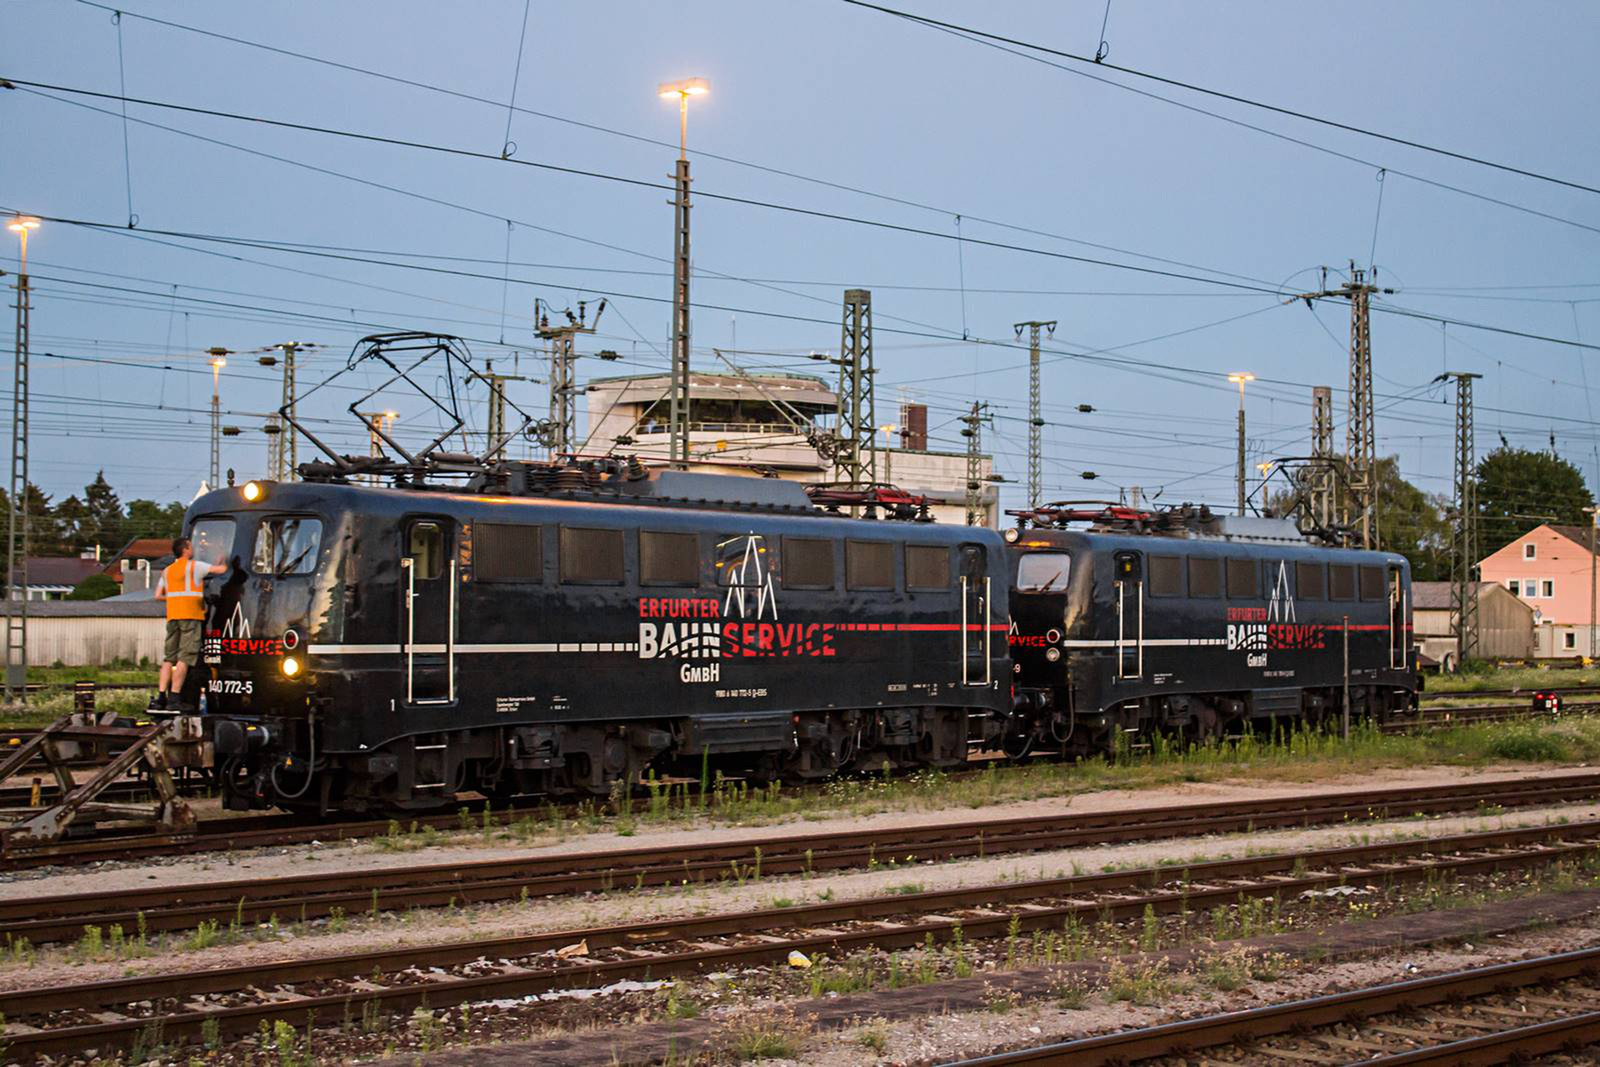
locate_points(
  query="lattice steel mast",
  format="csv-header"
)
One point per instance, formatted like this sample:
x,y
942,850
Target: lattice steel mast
x,y
283,449
855,458
1464,531
563,427
1035,419
1322,480
1359,501
972,429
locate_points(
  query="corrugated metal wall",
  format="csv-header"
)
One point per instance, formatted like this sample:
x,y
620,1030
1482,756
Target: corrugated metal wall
x,y
94,641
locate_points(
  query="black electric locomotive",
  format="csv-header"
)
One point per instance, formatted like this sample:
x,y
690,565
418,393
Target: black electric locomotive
x,y
1196,624
567,629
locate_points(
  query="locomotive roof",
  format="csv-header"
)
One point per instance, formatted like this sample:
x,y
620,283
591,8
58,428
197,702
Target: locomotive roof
x,y
672,492
1199,544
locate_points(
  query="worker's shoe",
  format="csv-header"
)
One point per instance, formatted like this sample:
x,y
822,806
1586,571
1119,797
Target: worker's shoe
x,y
158,702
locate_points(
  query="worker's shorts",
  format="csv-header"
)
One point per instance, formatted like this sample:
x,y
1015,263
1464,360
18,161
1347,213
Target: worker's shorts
x,y
183,641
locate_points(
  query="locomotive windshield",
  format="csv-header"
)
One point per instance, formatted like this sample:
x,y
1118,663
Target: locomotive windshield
x,y
212,540
1042,572
287,546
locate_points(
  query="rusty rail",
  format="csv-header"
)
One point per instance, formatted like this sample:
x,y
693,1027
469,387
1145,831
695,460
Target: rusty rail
x,y
1182,1038
45,918
73,1017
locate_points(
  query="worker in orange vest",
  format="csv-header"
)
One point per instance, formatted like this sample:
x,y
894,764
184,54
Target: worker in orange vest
x,y
182,586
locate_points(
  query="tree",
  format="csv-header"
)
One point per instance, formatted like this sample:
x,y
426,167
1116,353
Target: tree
x,y
44,530
1410,522
146,518
1413,523
103,520
95,587
72,520
1519,489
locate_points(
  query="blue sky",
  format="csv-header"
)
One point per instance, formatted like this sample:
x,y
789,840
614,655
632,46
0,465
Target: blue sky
x,y
936,126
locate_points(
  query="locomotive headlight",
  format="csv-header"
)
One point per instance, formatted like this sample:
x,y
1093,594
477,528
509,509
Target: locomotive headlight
x,y
291,666
1052,654
254,491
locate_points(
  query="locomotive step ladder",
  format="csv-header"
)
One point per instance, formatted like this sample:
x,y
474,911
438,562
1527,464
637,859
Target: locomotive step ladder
x,y
64,744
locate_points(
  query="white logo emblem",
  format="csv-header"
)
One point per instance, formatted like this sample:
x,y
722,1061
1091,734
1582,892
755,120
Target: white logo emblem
x,y
237,625
750,575
1281,607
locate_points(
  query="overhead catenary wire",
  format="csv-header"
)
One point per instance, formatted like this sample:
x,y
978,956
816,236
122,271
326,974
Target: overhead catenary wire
x,y
1235,98
699,268
416,83
833,216
1278,135
1385,308
44,88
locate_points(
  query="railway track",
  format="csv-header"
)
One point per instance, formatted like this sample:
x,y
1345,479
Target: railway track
x,y
1486,1015
40,918
1521,691
1436,717
245,832
236,1000
283,829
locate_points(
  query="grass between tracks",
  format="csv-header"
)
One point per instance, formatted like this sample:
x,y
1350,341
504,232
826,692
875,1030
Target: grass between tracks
x,y
1513,678
44,709
1183,963
1292,756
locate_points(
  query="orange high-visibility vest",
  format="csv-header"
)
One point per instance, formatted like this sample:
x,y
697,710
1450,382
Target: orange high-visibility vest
x,y
184,597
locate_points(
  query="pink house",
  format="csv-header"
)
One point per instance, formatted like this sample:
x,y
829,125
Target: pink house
x,y
1550,569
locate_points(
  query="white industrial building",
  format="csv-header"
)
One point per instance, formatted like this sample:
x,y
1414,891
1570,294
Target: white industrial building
x,y
757,425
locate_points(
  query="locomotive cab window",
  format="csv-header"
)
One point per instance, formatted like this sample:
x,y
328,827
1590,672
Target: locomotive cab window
x,y
927,567
591,556
287,546
807,563
1372,584
1341,581
212,540
1243,579
669,558
1166,576
1043,572
425,546
869,565
1309,581
1205,576
507,552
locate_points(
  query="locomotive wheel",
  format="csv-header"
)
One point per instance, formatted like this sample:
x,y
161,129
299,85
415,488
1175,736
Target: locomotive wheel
x,y
1205,725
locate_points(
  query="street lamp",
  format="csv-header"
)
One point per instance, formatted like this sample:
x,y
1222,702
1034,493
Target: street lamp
x,y
888,452
17,533
678,408
21,225
1240,378
219,359
681,91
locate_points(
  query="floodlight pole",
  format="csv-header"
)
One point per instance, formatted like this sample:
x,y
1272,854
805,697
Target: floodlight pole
x,y
17,543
